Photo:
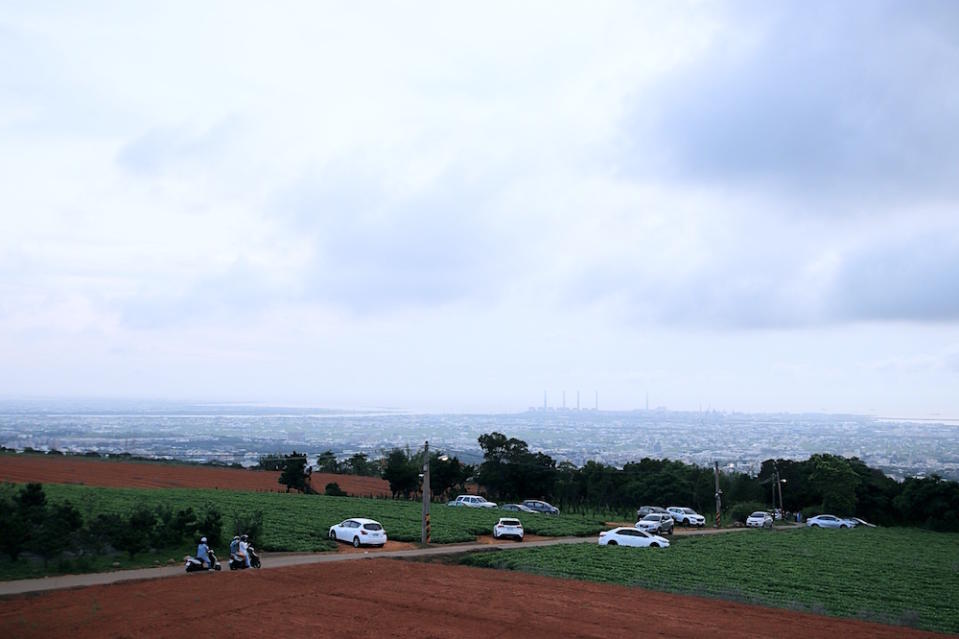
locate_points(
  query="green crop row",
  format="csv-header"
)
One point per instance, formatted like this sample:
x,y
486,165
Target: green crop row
x,y
296,522
899,576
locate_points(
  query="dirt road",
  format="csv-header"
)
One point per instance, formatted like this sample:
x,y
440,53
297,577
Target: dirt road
x,y
390,598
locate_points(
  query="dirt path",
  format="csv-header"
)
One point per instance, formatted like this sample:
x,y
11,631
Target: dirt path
x,y
389,598
271,561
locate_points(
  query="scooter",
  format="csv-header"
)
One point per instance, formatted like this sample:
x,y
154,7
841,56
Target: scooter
x,y
195,565
238,563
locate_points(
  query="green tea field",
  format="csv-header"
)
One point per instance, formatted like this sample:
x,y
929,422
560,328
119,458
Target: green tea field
x,y
900,576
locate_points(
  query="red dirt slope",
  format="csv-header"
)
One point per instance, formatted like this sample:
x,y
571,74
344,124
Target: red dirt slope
x,y
116,474
390,598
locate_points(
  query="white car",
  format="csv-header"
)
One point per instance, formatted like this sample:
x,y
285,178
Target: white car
x,y
830,521
759,519
472,501
508,527
657,523
359,532
625,536
686,516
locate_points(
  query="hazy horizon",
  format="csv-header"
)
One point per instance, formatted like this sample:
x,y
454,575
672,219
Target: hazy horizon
x,y
743,206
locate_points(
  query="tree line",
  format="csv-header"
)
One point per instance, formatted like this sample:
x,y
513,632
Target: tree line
x,y
510,471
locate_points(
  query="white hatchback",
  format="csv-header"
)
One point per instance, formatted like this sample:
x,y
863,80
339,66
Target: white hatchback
x,y
508,527
359,532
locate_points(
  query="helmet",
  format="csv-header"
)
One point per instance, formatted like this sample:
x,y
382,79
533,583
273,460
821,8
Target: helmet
x,y
243,537
202,540
236,538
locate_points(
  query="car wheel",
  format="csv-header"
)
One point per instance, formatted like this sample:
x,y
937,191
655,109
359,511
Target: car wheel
x,y
333,535
815,525
356,542
654,545
612,542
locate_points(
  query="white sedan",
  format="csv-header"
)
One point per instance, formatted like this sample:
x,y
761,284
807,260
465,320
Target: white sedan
x,y
759,519
508,527
625,536
829,521
359,532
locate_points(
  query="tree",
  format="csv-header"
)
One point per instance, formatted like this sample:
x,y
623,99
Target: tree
x,y
447,474
402,472
293,474
333,490
326,462
836,481
54,534
358,464
510,470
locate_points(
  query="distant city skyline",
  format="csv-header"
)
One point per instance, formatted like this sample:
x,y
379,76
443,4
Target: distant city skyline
x,y
450,207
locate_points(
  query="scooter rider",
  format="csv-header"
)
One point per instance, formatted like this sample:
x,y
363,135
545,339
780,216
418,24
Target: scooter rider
x,y
203,553
235,548
245,550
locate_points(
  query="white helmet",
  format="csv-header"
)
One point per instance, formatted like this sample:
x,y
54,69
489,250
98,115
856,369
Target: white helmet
x,y
202,540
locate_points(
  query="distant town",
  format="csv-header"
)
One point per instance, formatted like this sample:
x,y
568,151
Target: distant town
x,y
240,434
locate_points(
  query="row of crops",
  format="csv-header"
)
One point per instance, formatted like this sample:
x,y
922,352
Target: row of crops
x,y
900,576
296,522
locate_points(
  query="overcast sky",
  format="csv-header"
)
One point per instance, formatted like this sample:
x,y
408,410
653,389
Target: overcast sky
x,y
742,206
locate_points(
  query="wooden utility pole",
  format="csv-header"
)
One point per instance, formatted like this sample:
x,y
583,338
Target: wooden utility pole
x,y
779,487
425,532
719,493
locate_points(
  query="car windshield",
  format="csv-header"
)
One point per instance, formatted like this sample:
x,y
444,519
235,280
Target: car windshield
x,y
689,511
761,515
372,527
651,518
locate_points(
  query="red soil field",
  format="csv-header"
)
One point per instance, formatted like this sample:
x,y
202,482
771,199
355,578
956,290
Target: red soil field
x,y
122,474
391,598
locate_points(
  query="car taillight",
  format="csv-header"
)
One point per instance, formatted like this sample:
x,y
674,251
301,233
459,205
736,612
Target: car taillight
x,y
362,532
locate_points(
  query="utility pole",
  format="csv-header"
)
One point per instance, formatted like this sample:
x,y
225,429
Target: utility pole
x,y
779,487
719,493
425,532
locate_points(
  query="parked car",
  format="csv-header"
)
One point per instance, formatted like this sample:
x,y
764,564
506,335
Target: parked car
x,y
648,510
829,521
541,506
759,519
508,527
657,523
626,536
686,516
359,532
472,501
517,508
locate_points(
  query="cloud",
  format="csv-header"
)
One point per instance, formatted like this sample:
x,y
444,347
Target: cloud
x,y
817,100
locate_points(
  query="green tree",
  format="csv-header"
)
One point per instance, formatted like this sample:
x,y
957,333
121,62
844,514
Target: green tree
x,y
359,464
447,474
293,475
326,462
836,481
402,472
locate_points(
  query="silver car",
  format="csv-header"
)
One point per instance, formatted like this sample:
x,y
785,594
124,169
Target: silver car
x,y
829,521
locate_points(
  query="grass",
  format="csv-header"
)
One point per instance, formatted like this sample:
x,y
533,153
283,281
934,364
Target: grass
x,y
291,521
897,575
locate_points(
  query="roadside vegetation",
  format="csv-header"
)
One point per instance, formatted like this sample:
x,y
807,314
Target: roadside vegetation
x,y
897,576
138,527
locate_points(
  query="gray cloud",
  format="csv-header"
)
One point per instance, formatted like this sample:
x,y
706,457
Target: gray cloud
x,y
913,278
375,251
828,101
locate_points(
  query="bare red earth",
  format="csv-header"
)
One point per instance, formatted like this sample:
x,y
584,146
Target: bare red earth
x,y
117,474
390,598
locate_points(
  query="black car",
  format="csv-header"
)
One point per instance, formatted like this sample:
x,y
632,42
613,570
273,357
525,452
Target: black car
x,y
541,506
648,510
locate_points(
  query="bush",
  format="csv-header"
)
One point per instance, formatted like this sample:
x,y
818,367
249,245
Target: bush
x,y
333,490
